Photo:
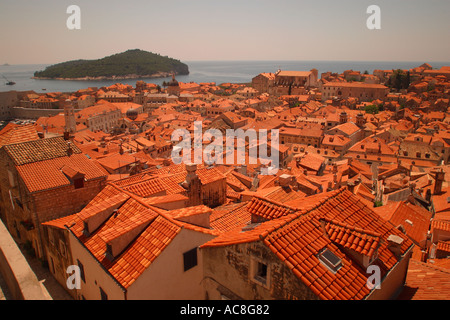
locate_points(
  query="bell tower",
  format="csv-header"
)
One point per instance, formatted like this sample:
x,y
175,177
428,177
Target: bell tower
x,y
70,126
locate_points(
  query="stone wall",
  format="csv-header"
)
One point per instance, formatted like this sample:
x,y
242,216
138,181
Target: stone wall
x,y
29,113
21,281
230,272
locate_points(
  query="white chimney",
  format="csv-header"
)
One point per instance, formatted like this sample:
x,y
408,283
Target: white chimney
x,y
394,244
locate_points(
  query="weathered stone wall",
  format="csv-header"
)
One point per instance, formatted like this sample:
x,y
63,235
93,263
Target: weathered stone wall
x,y
229,272
31,113
21,281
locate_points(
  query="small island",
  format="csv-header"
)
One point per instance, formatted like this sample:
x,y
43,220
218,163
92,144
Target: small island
x,y
132,64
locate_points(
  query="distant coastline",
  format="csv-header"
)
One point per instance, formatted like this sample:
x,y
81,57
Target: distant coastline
x,y
105,78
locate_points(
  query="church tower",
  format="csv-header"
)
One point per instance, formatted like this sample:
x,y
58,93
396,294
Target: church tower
x,y
360,120
343,117
70,126
173,87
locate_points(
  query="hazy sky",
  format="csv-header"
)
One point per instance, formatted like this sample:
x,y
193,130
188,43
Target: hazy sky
x,y
411,30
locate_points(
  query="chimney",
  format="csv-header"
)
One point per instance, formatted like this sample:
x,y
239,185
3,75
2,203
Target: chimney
x,y
395,244
243,169
439,179
423,256
69,149
191,172
285,180
194,185
351,186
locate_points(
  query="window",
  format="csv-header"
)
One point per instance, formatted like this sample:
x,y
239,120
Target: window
x,y
80,265
62,248
330,260
190,259
261,272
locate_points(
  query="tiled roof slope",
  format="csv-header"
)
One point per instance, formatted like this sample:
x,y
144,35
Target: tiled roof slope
x,y
48,174
426,282
13,133
415,220
230,216
39,150
298,238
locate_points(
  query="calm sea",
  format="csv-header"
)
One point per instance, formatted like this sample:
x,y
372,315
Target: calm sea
x,y
200,71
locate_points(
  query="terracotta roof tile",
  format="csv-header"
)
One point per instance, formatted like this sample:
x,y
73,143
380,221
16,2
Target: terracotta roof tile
x,y
440,225
54,173
354,238
14,133
39,150
266,209
415,220
189,211
146,188
424,281
158,232
229,217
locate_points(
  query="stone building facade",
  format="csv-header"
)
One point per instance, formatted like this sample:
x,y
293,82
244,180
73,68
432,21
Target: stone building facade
x,y
243,263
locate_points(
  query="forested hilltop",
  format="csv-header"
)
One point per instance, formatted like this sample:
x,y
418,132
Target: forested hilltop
x,y
130,64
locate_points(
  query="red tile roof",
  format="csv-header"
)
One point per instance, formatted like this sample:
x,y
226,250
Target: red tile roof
x,y
424,281
415,220
440,225
40,150
14,133
189,211
141,252
229,217
54,173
